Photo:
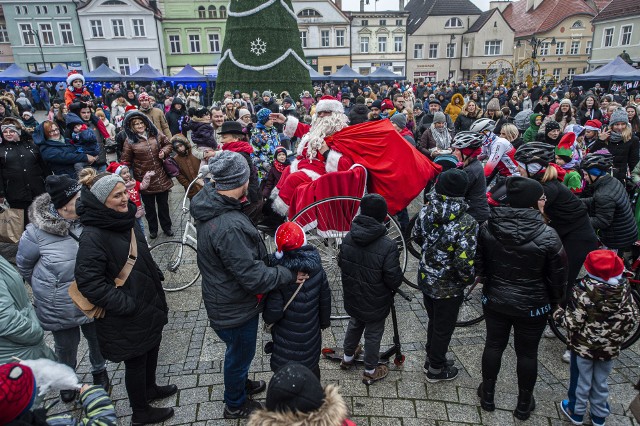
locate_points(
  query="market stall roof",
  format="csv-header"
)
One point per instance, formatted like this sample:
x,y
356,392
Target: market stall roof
x,y
57,73
146,73
383,74
616,70
187,74
14,72
316,76
345,73
104,73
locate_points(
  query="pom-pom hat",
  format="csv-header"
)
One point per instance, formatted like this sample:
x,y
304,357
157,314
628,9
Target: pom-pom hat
x,y
73,76
17,391
604,265
329,104
289,236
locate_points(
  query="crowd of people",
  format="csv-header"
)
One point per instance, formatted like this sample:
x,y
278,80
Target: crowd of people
x,y
534,184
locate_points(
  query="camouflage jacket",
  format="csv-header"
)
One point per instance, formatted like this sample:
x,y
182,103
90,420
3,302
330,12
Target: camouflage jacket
x,y
448,237
599,316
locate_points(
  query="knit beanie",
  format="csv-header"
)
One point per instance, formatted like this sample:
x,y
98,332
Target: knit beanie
x,y
242,112
144,96
399,119
288,100
11,127
417,105
452,183
266,93
619,116
565,101
104,184
523,192
17,391
360,100
376,104
439,117
294,388
493,105
605,266
386,104
61,188
551,125
289,236
375,206
229,170
263,115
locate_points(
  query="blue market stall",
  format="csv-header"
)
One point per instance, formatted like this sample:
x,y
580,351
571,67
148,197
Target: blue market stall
x,y
15,73
345,73
146,73
104,73
383,74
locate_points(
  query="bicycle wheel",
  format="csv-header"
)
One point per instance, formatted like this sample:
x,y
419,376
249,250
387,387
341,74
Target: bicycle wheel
x,y
412,246
470,312
178,262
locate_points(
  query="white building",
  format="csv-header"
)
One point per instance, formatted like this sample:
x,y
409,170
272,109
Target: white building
x,y
123,34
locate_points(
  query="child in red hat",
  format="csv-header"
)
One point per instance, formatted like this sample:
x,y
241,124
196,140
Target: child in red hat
x,y
599,316
298,313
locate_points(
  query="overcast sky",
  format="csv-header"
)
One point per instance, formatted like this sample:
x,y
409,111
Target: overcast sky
x,y
393,4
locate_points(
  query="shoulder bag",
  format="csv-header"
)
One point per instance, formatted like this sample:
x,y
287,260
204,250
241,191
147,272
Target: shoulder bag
x,y
267,327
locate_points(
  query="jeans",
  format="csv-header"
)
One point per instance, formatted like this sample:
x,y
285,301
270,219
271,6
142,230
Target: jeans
x,y
443,314
588,382
140,375
403,219
577,251
141,223
373,332
162,199
66,346
241,348
527,332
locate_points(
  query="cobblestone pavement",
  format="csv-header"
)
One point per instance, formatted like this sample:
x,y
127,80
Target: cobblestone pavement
x,y
191,357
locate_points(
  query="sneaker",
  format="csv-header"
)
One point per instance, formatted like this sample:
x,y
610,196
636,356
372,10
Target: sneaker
x,y
448,363
566,356
446,373
597,421
379,373
548,333
255,386
344,365
243,411
573,418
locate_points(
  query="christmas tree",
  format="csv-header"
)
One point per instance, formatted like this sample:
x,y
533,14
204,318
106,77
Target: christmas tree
x,y
262,49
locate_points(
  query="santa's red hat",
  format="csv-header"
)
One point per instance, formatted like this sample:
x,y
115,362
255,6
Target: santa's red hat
x,y
289,236
386,104
330,104
115,167
17,391
594,125
130,108
604,265
73,76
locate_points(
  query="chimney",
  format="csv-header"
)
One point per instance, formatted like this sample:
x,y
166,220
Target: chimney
x,y
401,5
338,4
361,5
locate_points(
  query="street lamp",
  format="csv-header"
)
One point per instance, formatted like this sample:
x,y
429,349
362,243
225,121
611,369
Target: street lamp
x,y
535,43
450,55
37,36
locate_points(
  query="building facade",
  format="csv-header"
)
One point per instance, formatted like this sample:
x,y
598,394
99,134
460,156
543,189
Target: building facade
x,y
193,33
379,39
122,34
44,33
616,31
324,33
6,53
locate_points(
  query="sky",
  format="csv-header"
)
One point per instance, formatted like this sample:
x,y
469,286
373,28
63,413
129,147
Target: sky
x,y
393,4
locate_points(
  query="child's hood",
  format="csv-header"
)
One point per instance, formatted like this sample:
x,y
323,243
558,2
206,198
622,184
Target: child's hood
x,y
305,259
608,297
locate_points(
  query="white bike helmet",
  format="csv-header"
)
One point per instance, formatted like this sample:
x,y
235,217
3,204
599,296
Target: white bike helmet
x,y
482,125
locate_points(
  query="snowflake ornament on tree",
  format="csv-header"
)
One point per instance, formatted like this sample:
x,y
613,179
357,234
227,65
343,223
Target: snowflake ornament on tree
x,y
258,47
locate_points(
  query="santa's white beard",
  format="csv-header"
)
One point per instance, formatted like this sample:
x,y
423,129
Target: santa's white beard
x,y
321,127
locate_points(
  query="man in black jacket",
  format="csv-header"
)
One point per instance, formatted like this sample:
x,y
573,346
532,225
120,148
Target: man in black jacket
x,y
234,275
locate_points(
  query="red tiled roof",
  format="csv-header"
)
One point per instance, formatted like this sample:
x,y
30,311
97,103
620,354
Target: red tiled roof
x,y
547,15
617,9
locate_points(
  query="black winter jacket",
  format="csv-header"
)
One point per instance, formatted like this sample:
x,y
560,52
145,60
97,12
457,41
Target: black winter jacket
x,y
463,123
371,272
611,213
175,118
476,195
22,173
136,312
521,262
296,331
231,257
625,155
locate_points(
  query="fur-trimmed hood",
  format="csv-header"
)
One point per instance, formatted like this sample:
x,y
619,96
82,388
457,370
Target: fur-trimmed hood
x,y
132,137
332,413
41,216
305,259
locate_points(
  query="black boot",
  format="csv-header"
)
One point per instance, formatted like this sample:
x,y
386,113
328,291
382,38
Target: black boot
x,y
151,415
102,379
526,404
160,392
486,392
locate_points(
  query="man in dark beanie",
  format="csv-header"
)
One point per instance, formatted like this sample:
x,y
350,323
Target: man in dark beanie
x,y
374,115
234,275
371,273
447,235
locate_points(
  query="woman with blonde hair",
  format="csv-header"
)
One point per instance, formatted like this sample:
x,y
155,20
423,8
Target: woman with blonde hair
x,y
470,112
511,133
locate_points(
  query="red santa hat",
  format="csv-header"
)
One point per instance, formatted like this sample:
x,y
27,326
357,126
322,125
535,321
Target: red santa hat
x,y
115,167
130,108
17,391
604,265
330,104
289,236
386,104
73,76
594,125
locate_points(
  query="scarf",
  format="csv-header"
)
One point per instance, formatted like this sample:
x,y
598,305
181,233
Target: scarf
x,y
615,137
146,109
93,213
238,146
280,166
441,136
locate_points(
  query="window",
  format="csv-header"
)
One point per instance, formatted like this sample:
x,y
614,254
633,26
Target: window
x,y
397,44
58,9
214,43
340,38
560,48
625,35
303,38
493,48
588,49
433,50
223,12
96,28
418,51
365,22
398,22
201,12
174,43
305,13
123,66
544,48
324,38
138,28
45,10
556,73
118,27
577,24
64,9
607,40
212,12
575,48
451,50
326,70
453,23
194,43
465,49
4,36
382,44
143,61
571,72
18,10
543,72
46,35
27,35
364,44
383,22
38,11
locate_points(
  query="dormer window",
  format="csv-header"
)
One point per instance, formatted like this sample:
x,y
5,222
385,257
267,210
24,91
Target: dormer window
x,y
453,23
577,24
309,13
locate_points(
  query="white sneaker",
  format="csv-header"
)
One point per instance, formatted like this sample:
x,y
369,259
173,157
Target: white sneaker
x,y
548,333
566,356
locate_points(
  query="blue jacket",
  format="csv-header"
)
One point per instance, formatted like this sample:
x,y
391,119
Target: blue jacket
x,y
59,155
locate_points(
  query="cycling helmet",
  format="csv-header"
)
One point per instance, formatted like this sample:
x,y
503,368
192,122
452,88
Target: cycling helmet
x,y
535,152
602,160
467,140
483,125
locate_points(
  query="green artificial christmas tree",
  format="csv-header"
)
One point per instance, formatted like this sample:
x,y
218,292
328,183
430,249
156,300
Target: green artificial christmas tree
x,y
262,49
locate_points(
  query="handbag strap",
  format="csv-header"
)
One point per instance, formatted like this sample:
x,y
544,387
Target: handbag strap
x,y
131,260
295,293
